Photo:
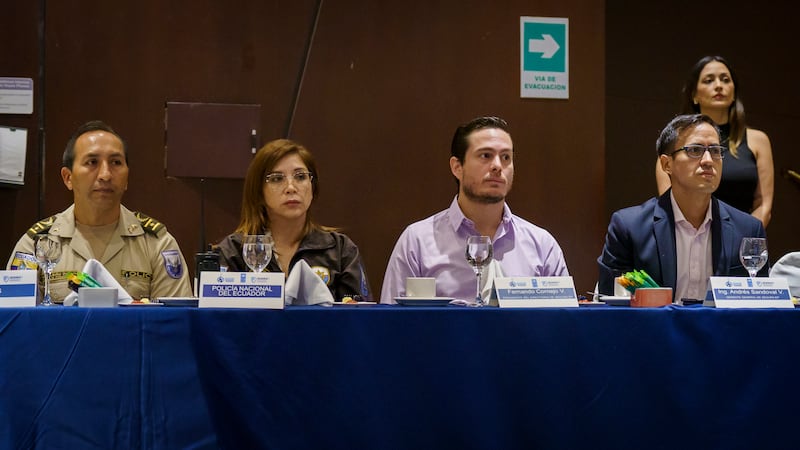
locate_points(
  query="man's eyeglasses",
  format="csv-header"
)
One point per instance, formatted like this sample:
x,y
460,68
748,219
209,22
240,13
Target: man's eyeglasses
x,y
277,180
697,151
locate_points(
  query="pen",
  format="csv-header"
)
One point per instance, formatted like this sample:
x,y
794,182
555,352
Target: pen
x,y
82,279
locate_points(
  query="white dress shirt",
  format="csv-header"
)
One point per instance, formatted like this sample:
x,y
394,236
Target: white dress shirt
x,y
693,255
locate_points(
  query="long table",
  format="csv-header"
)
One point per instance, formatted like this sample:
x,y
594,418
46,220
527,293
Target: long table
x,y
398,378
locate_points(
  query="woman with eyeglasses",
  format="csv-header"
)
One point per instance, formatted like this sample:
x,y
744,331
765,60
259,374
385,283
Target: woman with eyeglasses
x,y
747,183
280,185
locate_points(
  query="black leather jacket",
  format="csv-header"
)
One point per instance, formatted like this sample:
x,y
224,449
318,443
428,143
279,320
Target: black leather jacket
x,y
332,255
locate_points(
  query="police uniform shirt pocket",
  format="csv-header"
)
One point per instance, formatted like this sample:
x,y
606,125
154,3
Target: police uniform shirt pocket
x,y
137,283
59,286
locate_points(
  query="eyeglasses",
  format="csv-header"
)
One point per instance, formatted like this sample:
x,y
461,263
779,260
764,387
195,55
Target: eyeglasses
x,y
697,151
277,180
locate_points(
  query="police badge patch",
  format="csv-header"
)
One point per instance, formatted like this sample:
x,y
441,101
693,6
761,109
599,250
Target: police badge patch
x,y
172,263
323,273
24,261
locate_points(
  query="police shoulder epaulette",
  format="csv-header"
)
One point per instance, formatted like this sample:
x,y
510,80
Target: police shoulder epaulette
x,y
41,227
149,224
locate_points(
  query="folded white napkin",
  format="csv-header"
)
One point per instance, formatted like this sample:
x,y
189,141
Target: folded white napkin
x,y
97,271
788,267
488,292
304,287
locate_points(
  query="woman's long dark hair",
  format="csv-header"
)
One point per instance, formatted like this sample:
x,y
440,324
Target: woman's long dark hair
x,y
735,111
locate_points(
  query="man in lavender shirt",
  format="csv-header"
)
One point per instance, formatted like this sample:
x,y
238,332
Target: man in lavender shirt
x,y
482,161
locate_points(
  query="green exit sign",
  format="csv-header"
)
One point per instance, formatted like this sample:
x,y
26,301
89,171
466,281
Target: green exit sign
x,y
544,63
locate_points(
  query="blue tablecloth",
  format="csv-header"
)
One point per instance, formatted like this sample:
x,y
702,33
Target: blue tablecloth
x,y
398,378
77,378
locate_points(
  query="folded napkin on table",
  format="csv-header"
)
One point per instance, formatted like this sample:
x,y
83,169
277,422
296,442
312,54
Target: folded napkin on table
x,y
96,270
305,287
488,292
788,266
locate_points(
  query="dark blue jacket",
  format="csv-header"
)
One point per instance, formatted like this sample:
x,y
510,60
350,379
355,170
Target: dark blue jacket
x,y
643,237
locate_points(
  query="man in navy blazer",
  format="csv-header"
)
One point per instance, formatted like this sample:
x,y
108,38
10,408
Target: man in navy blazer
x,y
686,235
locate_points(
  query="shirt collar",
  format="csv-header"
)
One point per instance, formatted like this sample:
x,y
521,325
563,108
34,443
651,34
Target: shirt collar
x,y
679,217
458,219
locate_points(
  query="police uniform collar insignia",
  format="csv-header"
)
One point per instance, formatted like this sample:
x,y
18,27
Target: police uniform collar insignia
x,y
132,227
323,273
41,227
172,263
149,224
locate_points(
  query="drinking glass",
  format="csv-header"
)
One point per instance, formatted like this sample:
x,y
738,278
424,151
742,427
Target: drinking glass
x,y
479,254
753,254
257,251
48,253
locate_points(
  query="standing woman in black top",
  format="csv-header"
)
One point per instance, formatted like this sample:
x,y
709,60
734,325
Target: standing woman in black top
x,y
747,170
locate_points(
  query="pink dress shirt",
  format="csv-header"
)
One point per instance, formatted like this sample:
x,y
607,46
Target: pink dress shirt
x,y
434,247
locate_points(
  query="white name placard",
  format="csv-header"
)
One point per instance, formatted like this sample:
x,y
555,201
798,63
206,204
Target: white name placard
x,y
536,292
241,290
13,146
18,288
16,95
745,292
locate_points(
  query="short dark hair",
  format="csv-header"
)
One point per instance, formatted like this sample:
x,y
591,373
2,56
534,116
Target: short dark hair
x,y
676,127
458,147
93,125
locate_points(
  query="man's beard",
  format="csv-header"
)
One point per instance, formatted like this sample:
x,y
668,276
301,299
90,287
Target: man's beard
x,y
485,198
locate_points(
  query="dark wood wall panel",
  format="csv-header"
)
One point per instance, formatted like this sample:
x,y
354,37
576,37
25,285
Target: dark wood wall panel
x,y
650,48
386,84
383,98
122,62
19,26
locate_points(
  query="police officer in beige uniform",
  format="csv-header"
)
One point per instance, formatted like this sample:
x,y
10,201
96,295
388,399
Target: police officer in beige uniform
x,y
137,250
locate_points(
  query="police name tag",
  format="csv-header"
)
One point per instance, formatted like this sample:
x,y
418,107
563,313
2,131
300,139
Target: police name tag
x,y
241,290
536,292
745,292
18,288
